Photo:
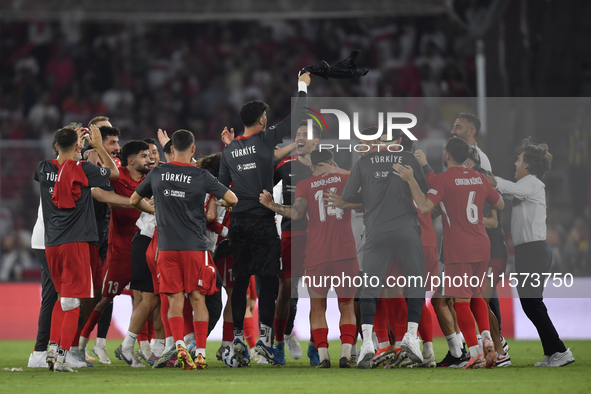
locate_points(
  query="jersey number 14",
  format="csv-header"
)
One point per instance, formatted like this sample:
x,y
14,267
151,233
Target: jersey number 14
x,y
331,211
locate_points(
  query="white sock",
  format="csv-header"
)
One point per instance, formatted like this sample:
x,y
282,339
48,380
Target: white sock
x,y
412,328
382,345
152,342
239,334
181,342
169,342
61,357
226,343
129,341
486,335
266,334
190,338
454,345
346,350
311,343
367,330
144,344
82,343
323,353
101,342
397,344
39,354
202,351
158,347
74,348
474,351
480,347
427,348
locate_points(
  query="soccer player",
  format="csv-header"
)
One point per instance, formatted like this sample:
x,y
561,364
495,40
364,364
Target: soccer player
x,y
392,231
532,254
69,227
290,171
462,192
247,163
122,228
330,250
179,190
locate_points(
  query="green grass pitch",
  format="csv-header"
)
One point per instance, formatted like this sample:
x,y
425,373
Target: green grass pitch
x,y
299,377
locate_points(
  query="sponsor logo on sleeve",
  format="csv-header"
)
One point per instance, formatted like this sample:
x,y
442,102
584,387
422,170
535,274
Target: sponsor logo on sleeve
x,y
103,171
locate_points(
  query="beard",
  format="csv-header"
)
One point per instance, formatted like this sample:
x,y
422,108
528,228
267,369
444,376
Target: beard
x,y
142,169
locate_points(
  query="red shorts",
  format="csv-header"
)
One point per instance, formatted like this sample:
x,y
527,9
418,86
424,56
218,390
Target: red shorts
x,y
70,269
252,288
151,260
224,267
186,271
496,268
293,257
431,266
461,287
118,271
97,266
315,278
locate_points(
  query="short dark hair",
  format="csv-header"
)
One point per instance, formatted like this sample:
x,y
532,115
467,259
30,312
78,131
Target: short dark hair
x,y
98,119
406,143
252,111
150,141
536,156
474,156
457,149
315,129
182,140
132,148
472,119
166,147
108,131
66,138
321,156
210,163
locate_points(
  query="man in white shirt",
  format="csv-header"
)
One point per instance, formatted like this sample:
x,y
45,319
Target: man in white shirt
x,y
532,254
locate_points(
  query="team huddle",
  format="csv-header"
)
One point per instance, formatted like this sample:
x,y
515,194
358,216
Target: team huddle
x,y
178,231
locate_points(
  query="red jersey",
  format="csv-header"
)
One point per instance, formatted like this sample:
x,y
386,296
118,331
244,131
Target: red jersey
x,y
462,193
329,237
122,226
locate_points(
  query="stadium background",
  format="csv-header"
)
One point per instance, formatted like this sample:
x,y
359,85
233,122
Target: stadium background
x,y
151,64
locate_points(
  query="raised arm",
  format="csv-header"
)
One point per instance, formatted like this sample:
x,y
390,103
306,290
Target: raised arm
x,y
283,152
283,128
520,190
406,173
294,212
96,141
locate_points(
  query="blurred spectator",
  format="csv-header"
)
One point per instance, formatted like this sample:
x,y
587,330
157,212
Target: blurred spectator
x,y
16,256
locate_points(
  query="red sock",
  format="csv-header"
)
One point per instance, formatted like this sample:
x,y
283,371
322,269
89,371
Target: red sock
x,y
76,339
143,334
426,325
466,322
69,327
200,328
248,329
95,316
320,336
57,317
279,329
380,323
151,332
188,316
164,305
397,316
348,333
480,311
228,331
176,326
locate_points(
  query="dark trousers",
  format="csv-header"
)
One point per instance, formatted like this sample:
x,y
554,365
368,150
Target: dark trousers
x,y
536,258
48,300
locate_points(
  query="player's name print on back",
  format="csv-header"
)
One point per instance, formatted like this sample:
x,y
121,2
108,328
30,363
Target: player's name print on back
x,y
249,150
386,159
167,176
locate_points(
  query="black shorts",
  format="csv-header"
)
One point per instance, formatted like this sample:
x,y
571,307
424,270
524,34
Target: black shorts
x,y
141,276
256,246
